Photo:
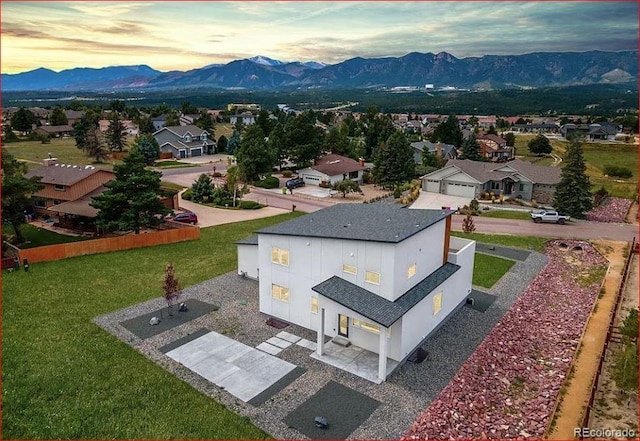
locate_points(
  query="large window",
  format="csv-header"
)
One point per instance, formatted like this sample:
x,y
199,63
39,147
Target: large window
x,y
372,277
349,269
280,293
411,271
437,303
314,304
280,256
370,327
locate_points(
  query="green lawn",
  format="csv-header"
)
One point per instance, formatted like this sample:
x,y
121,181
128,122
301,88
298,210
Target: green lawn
x,y
525,242
225,129
172,164
487,270
37,237
506,214
64,377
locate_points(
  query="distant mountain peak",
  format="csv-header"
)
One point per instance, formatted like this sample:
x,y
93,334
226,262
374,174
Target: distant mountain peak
x,y
261,59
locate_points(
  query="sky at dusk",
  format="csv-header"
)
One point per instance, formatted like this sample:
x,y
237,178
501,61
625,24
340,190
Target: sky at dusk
x,y
187,35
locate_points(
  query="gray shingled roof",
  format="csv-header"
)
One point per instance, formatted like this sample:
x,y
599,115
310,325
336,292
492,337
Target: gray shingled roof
x,y
370,222
182,130
484,171
251,240
446,148
376,308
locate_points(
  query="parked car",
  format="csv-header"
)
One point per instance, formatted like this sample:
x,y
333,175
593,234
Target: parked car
x,y
549,216
294,183
187,218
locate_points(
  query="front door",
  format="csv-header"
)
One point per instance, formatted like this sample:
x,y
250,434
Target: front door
x,y
343,325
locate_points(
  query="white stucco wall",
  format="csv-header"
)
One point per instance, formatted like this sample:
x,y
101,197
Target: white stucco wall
x,y
248,260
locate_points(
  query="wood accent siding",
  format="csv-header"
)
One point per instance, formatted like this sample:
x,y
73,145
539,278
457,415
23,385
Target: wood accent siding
x,y
447,239
77,190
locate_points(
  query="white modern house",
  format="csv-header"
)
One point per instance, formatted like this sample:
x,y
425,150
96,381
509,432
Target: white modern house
x,y
379,277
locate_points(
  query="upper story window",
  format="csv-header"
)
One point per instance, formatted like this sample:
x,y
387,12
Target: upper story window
x,y
372,277
280,256
60,187
187,138
203,136
349,269
411,271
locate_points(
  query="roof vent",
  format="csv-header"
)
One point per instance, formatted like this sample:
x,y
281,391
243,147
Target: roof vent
x,y
68,165
334,162
75,166
56,165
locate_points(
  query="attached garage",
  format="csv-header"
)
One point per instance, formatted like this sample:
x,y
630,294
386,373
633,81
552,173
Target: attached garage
x,y
432,186
463,190
195,151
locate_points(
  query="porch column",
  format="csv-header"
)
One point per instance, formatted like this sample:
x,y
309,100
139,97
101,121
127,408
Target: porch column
x,y
382,356
320,345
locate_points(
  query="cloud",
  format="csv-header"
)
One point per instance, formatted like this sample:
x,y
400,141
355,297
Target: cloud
x,y
107,9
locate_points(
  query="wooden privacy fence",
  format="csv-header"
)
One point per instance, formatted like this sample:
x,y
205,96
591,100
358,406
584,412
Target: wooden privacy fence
x,y
62,251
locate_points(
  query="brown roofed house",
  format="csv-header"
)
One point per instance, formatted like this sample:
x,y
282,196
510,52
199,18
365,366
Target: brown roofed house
x,y
331,169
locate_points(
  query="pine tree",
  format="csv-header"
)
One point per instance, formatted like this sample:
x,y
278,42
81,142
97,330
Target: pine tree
x,y
394,161
94,145
116,135
148,147
131,201
573,194
471,149
58,117
234,143
202,189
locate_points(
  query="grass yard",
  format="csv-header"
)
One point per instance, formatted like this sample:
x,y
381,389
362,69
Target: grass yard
x,y
487,270
172,164
225,129
524,242
37,237
64,377
506,214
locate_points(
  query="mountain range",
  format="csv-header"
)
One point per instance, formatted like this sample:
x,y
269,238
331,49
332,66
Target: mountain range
x,y
535,70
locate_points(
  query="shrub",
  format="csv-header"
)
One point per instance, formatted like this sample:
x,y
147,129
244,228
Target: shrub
x,y
287,173
468,225
493,198
397,192
324,184
187,195
619,172
225,202
250,205
268,182
600,196
484,195
534,204
217,174
474,204
367,178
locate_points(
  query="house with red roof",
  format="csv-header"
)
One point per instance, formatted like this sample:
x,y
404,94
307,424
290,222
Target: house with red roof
x,y
331,169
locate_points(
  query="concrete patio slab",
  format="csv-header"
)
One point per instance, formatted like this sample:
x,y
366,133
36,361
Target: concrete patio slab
x,y
275,341
269,349
307,344
243,371
288,337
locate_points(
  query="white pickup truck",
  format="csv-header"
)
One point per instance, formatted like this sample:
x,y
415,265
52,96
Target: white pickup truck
x,y
549,216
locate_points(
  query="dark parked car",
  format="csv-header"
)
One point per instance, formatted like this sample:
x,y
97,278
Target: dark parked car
x,y
294,183
187,218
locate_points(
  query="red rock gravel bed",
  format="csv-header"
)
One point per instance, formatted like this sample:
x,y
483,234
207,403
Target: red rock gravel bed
x,y
509,386
614,210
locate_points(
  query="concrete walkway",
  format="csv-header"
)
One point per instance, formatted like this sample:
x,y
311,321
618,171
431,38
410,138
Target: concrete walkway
x,y
241,370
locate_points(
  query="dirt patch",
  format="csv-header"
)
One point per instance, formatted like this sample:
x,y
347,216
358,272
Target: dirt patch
x,y
573,402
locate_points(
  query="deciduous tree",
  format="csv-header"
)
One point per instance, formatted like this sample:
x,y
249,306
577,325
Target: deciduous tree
x,y
346,186
540,145
58,117
23,120
253,156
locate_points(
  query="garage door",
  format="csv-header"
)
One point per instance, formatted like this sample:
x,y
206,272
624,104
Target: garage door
x,y
433,186
196,152
463,190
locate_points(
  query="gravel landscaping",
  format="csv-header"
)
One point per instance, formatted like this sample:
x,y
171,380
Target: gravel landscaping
x,y
509,386
405,394
614,210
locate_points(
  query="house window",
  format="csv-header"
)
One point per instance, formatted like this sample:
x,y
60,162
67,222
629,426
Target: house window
x,y
187,138
280,256
353,175
60,187
411,271
40,203
495,185
521,187
372,277
370,327
349,269
314,304
437,303
203,136
56,202
280,293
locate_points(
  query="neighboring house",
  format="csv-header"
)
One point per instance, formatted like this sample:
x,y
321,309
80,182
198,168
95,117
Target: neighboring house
x,y
188,119
68,190
73,116
159,121
246,118
604,131
516,179
331,169
484,122
447,151
184,141
55,131
494,148
379,277
535,128
130,127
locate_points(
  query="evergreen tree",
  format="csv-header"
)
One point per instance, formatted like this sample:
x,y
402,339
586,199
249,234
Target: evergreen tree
x,y
573,194
116,135
278,145
145,125
377,129
303,138
131,201
492,130
172,119
205,122
88,122
510,138
471,149
253,156
264,121
148,147
58,117
540,145
234,143
16,192
394,162
202,189
94,145
448,132
9,135
222,144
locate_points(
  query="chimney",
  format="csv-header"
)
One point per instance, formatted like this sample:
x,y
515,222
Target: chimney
x,y
361,161
438,149
50,161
